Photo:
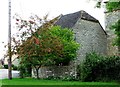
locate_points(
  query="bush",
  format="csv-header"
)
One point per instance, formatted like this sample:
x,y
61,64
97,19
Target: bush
x,y
13,67
25,70
21,68
6,66
89,65
99,68
112,68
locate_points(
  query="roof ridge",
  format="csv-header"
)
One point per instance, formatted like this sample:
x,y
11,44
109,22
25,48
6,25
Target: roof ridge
x,y
87,16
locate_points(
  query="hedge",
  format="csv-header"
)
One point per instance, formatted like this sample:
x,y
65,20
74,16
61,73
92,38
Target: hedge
x,y
99,68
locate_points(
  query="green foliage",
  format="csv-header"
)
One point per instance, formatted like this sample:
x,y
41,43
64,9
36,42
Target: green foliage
x,y
48,46
111,6
25,68
70,46
31,48
13,67
116,28
42,44
99,68
89,64
6,66
21,68
24,72
112,67
53,46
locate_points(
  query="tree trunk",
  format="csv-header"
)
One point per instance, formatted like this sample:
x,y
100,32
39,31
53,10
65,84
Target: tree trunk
x,y
37,71
29,69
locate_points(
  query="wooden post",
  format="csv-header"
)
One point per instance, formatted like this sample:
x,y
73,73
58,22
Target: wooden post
x,y
9,41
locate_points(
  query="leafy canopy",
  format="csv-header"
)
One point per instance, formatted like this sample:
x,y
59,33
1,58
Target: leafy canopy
x,y
116,28
70,46
52,46
111,6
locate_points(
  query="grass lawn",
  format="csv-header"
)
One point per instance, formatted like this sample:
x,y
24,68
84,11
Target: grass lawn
x,y
29,82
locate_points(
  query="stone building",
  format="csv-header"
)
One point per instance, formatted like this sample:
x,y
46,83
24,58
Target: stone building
x,y
91,36
110,19
88,32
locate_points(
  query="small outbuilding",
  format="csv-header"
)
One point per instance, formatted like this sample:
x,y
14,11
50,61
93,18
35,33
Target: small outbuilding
x,y
88,32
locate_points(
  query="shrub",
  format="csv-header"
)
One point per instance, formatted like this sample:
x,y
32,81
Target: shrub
x,y
14,67
25,70
89,65
112,68
99,68
21,68
6,66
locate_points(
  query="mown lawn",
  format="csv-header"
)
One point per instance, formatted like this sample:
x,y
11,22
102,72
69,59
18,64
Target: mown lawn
x,y
29,82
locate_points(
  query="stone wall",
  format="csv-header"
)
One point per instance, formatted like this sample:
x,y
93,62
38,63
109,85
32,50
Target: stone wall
x,y
91,37
56,71
111,18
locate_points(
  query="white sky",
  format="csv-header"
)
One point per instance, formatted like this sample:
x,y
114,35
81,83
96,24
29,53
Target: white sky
x,y
42,7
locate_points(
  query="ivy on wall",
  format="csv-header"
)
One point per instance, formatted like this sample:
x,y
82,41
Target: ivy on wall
x,y
116,28
112,6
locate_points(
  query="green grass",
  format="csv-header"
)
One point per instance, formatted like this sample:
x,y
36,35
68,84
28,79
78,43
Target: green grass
x,y
29,82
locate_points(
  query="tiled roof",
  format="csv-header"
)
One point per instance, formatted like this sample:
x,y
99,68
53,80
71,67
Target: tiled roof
x,y
69,20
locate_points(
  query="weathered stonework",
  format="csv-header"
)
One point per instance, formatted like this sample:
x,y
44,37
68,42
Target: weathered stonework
x,y
111,18
55,71
91,37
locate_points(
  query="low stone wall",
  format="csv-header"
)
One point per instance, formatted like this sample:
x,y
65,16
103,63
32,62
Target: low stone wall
x,y
56,71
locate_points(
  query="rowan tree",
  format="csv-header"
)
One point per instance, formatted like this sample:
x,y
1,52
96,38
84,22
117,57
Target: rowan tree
x,y
45,45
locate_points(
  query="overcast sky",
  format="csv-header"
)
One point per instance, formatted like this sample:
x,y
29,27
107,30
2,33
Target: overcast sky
x,y
42,7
